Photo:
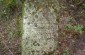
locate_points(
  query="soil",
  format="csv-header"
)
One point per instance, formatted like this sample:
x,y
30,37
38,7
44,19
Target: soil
x,y
9,40
74,42
68,39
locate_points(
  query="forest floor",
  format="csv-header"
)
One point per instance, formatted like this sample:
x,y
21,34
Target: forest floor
x,y
72,31
71,39
9,40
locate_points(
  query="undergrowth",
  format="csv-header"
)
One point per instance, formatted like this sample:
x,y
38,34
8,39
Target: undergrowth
x,y
76,28
8,9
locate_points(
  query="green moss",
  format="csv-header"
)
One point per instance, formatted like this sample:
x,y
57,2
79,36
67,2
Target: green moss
x,y
22,9
20,20
19,25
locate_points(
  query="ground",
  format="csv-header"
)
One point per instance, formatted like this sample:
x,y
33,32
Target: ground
x,y
9,39
71,42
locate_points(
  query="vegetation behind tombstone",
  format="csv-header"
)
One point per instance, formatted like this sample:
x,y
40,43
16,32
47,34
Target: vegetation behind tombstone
x,y
9,8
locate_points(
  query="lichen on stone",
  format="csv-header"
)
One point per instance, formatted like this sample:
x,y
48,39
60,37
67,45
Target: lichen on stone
x,y
39,36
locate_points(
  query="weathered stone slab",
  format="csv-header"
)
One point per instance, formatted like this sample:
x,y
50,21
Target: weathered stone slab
x,y
40,27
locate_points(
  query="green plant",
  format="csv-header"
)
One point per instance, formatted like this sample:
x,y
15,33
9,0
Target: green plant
x,y
69,26
66,52
8,9
79,28
11,34
82,5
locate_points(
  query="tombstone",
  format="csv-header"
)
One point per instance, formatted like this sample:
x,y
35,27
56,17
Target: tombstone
x,y
40,27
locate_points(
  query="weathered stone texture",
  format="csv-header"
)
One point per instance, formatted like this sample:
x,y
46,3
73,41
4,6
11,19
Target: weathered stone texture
x,y
40,27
